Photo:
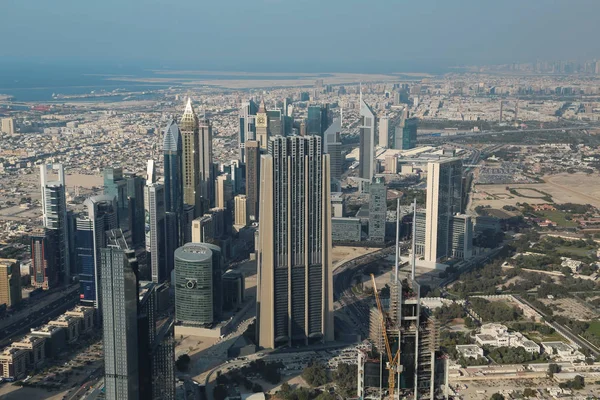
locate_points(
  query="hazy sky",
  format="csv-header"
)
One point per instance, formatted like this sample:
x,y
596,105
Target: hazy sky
x,y
298,35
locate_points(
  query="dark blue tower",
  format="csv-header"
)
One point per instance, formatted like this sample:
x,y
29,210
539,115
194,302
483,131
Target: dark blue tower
x,y
172,148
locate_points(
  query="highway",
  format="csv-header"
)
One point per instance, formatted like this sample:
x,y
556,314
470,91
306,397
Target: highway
x,y
39,313
564,330
429,139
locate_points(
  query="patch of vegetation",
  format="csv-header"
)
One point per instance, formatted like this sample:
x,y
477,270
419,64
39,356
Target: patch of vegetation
x,y
495,311
345,378
315,375
515,355
447,313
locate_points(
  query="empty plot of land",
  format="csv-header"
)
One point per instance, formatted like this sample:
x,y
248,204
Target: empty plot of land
x,y
571,308
563,188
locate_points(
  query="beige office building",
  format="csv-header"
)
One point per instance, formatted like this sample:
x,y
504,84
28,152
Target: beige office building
x,y
295,288
224,191
10,282
202,229
8,126
240,210
189,128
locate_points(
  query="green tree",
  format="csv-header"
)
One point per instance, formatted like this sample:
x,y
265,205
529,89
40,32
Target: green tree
x,y
529,392
553,369
497,396
220,392
346,379
183,363
315,375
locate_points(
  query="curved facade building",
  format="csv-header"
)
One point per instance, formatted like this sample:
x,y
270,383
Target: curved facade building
x,y
194,284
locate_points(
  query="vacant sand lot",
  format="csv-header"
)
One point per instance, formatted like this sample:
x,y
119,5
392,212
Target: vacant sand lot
x,y
564,188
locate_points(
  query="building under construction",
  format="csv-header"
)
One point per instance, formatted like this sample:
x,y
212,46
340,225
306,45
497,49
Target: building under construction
x,y
406,337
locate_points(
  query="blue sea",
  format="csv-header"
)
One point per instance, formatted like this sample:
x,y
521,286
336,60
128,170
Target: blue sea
x,y
40,83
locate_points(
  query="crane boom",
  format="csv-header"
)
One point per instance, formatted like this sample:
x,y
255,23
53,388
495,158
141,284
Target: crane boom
x,y
392,360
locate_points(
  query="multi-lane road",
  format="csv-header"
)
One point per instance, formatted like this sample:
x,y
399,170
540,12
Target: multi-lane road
x,y
39,312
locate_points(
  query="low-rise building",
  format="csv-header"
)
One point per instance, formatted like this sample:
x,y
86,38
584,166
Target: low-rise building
x,y
70,323
37,349
346,229
13,362
469,350
56,338
497,335
86,314
562,351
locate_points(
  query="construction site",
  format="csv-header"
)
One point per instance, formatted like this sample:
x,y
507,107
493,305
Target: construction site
x,y
405,362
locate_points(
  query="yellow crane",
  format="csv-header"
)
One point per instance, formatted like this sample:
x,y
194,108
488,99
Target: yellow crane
x,y
393,360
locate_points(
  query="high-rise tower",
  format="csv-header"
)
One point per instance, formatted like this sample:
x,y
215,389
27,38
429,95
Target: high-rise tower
x,y
368,122
295,299
189,127
172,150
119,317
101,216
247,126
156,245
377,210
54,209
205,162
262,126
252,178
444,200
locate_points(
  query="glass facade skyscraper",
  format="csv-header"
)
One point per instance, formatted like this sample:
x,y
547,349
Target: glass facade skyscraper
x,y
368,122
172,150
120,319
101,216
194,284
54,209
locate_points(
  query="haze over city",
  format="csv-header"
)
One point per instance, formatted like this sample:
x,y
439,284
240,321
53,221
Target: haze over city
x,y
299,200
298,36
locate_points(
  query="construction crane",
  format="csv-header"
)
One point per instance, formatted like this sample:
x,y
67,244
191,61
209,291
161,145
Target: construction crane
x,y
393,360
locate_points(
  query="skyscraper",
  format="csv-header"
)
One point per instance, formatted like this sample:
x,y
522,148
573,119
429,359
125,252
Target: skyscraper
x,y
252,178
332,145
172,150
189,127
135,199
101,216
377,210
10,282
247,126
194,289
295,295
156,245
116,186
317,120
368,122
120,320
7,125
54,209
262,126
224,191
384,127
206,166
241,212
44,259
138,355
444,200
405,135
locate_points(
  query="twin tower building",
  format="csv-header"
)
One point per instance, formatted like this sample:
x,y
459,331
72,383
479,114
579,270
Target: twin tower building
x,y
289,180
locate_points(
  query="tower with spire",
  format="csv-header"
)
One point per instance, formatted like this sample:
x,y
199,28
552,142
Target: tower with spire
x,y
189,127
262,126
